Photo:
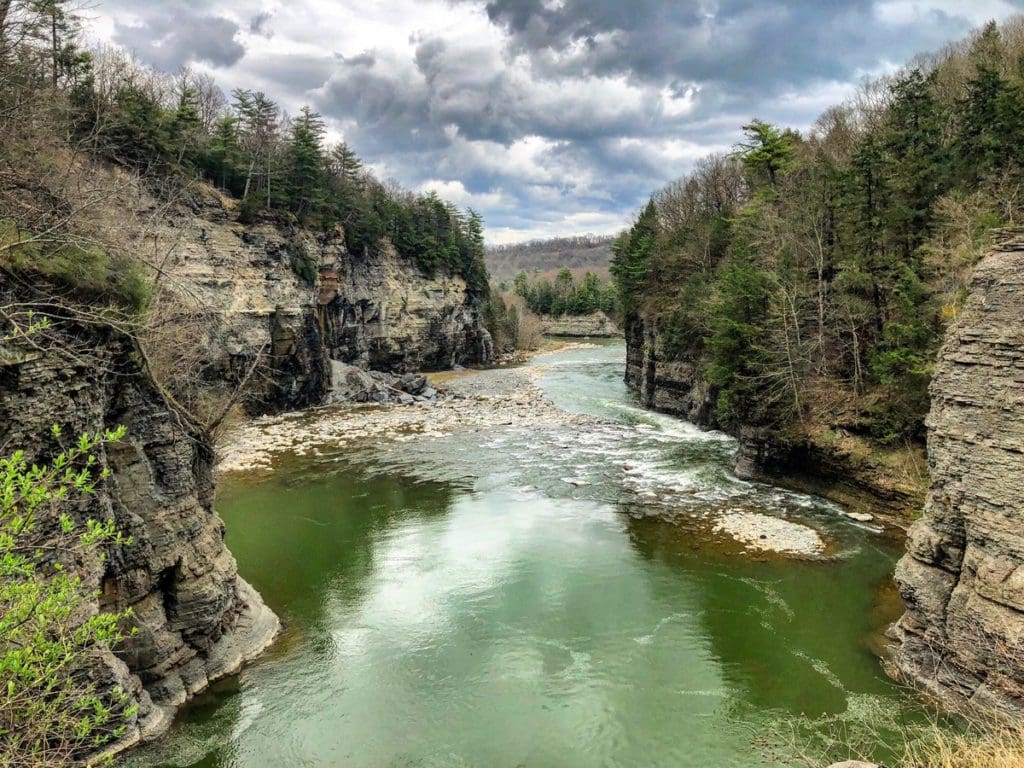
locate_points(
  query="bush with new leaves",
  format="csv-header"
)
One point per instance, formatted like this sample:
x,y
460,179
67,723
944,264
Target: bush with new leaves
x,y
51,713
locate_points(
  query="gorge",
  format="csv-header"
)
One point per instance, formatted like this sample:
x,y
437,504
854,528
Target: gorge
x,y
288,478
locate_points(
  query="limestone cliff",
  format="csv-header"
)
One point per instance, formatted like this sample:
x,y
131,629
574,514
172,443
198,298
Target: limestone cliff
x,y
596,325
300,299
197,620
962,579
866,479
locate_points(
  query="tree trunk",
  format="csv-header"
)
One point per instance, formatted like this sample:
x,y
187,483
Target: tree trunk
x,y
53,41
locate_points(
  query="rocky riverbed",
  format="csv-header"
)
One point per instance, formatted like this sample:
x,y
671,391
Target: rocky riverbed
x,y
413,409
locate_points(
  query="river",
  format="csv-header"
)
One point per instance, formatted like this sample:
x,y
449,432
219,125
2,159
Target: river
x,y
501,598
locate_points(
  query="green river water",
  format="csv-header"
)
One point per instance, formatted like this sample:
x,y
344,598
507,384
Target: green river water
x,y
455,602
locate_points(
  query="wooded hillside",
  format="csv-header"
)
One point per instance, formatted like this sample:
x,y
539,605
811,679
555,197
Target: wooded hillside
x,y
810,277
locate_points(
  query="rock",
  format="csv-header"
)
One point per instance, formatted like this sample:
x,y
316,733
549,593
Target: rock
x,y
413,383
596,325
854,764
406,399
428,393
962,579
860,517
678,387
196,619
244,300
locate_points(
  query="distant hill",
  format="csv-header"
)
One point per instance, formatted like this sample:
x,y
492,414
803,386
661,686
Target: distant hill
x,y
582,252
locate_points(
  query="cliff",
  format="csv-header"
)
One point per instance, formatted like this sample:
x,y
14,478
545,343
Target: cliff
x,y
197,620
596,325
830,461
962,579
295,298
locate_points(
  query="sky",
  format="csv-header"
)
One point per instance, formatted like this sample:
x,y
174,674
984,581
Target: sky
x,y
550,117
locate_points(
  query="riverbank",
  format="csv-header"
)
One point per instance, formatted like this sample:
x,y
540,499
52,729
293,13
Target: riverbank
x,y
488,401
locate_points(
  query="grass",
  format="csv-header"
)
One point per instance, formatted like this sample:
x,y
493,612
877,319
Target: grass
x,y
991,747
84,268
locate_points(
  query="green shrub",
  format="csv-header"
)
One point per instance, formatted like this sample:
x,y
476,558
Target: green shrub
x,y
51,713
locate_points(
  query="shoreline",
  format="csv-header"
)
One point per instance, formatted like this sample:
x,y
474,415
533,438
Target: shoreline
x,y
474,400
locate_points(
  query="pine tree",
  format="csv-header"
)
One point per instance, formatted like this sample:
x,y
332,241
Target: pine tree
x,y
306,163
767,150
345,165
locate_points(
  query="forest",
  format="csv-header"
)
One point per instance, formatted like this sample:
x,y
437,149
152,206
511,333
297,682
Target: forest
x,y
177,128
811,276
580,252
565,295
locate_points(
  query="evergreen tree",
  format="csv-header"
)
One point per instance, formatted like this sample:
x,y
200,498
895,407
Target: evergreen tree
x,y
306,163
767,150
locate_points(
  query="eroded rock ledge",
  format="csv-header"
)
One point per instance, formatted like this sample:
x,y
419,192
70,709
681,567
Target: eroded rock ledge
x,y
962,637
197,620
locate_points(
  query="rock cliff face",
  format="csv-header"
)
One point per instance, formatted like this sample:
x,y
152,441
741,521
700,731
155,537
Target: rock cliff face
x,y
196,619
243,282
962,579
841,471
596,325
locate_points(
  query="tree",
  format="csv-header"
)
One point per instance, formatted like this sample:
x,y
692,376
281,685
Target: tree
x,y
306,163
767,150
225,155
185,127
257,124
50,713
345,165
632,254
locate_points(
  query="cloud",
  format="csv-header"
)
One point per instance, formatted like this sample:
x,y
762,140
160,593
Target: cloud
x,y
549,116
171,35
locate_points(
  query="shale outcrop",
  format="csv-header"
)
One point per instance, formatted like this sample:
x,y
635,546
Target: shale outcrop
x,y
962,579
196,619
299,299
596,325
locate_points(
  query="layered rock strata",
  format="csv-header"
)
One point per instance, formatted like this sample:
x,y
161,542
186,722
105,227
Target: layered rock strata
x,y
300,299
962,579
596,325
196,619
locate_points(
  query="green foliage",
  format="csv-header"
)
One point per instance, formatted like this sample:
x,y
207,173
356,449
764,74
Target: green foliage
x,y
565,296
292,175
51,713
833,262
767,150
303,263
631,255
86,269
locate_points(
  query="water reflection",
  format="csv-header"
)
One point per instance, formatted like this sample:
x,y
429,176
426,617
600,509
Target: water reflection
x,y
455,603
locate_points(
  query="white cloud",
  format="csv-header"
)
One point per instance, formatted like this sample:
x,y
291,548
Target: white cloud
x,y
558,123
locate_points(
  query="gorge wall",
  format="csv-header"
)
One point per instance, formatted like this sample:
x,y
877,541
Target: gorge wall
x,y
197,620
596,325
962,579
240,293
842,470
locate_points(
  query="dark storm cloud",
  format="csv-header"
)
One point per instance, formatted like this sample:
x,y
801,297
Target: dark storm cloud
x,y
742,44
170,35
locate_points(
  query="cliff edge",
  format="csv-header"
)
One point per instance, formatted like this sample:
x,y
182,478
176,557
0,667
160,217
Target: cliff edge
x,y
962,579
196,619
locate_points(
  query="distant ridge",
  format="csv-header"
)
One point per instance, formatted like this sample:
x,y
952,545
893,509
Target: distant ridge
x,y
581,252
